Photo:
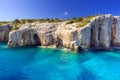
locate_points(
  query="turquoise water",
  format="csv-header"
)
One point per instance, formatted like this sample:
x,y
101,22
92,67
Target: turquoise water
x,y
31,63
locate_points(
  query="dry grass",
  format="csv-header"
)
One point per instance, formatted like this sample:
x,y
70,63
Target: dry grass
x,y
81,23
3,23
84,22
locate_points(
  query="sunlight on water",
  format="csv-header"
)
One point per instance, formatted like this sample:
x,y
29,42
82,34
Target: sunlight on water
x,y
35,63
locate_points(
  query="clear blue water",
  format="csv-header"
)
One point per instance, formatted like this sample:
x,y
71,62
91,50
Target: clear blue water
x,y
29,63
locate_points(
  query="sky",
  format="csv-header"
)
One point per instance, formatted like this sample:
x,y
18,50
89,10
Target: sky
x,y
63,9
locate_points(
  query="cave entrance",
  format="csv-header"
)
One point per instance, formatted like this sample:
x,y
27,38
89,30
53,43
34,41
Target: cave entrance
x,y
37,40
59,42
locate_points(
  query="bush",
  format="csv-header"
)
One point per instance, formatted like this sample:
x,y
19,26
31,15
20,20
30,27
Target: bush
x,y
41,20
51,20
70,22
16,21
56,20
4,23
23,21
80,19
74,19
29,20
47,19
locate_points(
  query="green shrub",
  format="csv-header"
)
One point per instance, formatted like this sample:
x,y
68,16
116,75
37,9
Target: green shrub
x,y
16,21
74,19
70,22
30,20
23,21
3,23
51,20
80,19
47,19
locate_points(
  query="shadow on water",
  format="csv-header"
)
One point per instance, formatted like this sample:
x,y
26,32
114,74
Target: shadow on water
x,y
117,51
84,56
86,75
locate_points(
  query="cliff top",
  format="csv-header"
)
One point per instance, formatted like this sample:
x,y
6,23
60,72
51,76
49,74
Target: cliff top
x,y
81,21
97,32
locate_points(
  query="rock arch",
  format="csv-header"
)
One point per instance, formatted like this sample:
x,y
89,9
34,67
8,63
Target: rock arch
x,y
29,36
24,37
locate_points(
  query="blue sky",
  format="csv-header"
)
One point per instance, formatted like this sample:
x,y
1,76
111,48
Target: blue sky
x,y
63,9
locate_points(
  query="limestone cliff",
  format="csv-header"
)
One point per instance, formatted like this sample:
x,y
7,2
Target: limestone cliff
x,y
103,32
4,33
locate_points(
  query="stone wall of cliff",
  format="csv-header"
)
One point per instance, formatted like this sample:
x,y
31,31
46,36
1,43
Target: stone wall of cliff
x,y
103,32
4,33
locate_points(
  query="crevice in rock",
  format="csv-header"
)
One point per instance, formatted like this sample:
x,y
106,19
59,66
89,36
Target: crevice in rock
x,y
99,30
59,42
37,40
113,32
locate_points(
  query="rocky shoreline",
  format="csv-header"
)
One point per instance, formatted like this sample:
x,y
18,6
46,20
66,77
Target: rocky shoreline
x,y
103,32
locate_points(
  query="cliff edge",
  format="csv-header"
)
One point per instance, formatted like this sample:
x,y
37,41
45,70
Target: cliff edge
x,y
103,32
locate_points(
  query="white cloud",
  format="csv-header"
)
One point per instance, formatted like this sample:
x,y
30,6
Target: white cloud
x,y
66,13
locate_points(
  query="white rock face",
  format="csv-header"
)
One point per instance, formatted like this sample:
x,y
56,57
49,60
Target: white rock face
x,y
84,37
4,33
24,36
116,31
103,32
67,36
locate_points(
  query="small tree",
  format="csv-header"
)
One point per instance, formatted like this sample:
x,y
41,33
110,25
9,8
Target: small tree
x,y
56,19
51,20
70,22
41,20
16,21
80,19
23,21
47,19
74,19
29,20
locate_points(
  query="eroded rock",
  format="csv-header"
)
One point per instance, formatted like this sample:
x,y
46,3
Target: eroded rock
x,y
23,37
103,32
4,33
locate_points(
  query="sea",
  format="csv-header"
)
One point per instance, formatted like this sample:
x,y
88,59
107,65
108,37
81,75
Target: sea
x,y
36,63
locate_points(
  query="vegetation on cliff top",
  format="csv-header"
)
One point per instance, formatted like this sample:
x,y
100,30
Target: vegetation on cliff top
x,y
22,21
81,21
17,22
3,23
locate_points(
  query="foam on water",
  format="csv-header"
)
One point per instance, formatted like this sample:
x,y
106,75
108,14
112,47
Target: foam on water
x,y
35,63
